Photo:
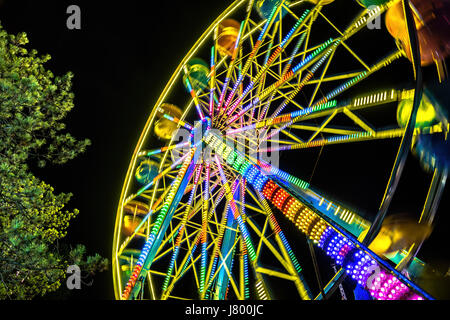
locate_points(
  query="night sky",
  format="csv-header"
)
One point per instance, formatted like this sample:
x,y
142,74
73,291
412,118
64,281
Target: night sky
x,y
122,58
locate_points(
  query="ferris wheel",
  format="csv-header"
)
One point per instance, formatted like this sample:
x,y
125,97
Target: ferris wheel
x,y
214,198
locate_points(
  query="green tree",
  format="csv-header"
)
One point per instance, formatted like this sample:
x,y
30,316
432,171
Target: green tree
x,y
33,218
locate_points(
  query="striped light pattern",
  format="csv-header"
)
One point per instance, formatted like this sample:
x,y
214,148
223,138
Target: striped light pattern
x,y
212,82
235,211
167,148
286,68
267,63
368,16
337,246
178,121
180,230
355,261
204,235
243,247
246,168
383,286
375,98
343,87
331,140
255,49
277,230
194,98
286,118
155,229
215,255
305,80
295,116
245,262
261,290
160,175
283,79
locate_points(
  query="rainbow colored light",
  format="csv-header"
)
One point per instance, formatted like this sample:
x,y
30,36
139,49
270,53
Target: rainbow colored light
x,y
338,247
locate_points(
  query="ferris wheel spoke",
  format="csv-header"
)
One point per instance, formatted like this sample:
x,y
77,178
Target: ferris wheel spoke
x,y
282,242
221,222
287,120
328,55
155,207
215,274
294,139
212,82
339,139
324,71
204,240
216,257
230,68
326,109
235,211
367,101
193,260
347,136
287,67
164,149
248,244
223,273
199,227
346,34
215,254
328,129
279,49
145,259
219,268
188,261
284,258
335,77
362,75
302,19
174,250
255,49
177,242
330,109
251,207
306,42
309,60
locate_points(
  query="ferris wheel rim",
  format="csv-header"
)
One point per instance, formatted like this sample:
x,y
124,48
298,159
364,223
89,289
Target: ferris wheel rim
x,y
150,122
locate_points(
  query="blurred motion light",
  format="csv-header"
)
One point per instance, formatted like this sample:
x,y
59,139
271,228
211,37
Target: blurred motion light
x,y
228,31
164,128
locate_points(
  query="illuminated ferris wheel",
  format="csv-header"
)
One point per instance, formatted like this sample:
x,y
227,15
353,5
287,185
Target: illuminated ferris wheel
x,y
210,210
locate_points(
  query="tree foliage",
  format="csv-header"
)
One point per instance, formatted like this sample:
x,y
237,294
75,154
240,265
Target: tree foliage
x,y
33,218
